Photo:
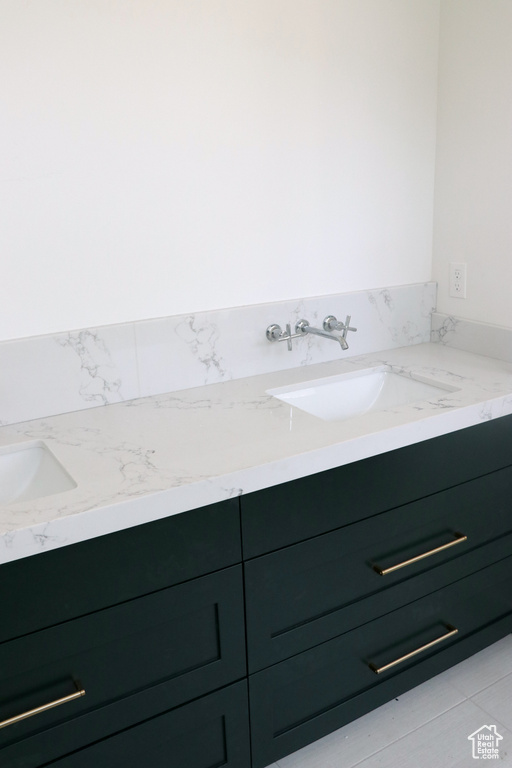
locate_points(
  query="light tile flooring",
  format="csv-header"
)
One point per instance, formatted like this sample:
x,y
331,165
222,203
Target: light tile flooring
x,y
429,726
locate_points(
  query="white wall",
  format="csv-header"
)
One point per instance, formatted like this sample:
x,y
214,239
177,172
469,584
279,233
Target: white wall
x,y
473,201
168,156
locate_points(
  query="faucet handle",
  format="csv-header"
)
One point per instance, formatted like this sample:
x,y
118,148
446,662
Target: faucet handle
x,y
274,332
301,325
346,327
331,324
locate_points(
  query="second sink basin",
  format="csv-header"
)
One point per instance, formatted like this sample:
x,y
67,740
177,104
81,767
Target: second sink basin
x,y
336,398
29,471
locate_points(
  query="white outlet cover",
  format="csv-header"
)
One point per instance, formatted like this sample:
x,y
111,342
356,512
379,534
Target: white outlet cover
x,y
457,280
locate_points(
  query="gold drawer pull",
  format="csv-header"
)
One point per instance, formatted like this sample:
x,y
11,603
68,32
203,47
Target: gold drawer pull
x,y
451,632
459,538
37,710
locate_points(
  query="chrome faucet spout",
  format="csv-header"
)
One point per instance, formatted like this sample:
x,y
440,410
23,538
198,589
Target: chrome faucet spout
x,y
304,327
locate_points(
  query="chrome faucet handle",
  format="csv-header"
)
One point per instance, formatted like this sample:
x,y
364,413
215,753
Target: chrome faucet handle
x,y
347,327
300,326
333,324
274,332
288,337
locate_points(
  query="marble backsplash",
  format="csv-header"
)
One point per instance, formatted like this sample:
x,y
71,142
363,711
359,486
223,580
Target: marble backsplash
x,y
472,336
48,375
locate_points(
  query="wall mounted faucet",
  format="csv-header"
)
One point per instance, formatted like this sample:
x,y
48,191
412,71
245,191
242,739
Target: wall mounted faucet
x,y
302,327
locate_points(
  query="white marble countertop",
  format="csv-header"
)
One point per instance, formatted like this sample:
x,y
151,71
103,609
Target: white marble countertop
x,y
145,459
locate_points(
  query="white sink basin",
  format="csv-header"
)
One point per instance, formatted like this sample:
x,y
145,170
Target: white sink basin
x,y
29,471
336,398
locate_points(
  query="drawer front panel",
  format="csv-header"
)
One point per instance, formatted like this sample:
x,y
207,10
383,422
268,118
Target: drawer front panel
x,y
306,594
210,732
290,696
107,570
295,511
190,637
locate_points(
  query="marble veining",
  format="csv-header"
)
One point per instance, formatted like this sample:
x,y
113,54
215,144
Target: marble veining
x,y
444,328
201,337
164,454
99,378
472,336
406,330
383,303
48,375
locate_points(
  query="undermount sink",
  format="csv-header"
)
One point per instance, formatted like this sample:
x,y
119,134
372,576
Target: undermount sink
x,y
29,471
336,398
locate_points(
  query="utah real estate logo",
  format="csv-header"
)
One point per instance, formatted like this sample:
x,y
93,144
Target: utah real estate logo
x,y
486,743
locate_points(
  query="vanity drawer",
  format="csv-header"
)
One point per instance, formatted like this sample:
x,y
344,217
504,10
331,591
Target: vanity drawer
x,y
189,637
312,591
305,697
74,580
295,511
207,733
140,731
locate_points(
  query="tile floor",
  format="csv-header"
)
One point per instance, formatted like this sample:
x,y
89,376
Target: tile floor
x,y
429,726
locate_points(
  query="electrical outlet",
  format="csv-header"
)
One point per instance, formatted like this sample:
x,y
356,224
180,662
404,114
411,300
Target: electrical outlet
x,y
457,280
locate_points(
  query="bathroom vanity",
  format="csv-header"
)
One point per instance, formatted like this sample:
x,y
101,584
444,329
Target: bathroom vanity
x,y
231,618
376,584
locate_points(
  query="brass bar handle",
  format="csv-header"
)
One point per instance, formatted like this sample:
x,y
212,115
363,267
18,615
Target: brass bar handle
x,y
451,632
459,539
43,708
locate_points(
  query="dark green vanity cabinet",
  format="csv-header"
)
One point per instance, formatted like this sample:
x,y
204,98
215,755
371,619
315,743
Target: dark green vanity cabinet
x,y
149,622
234,634
327,611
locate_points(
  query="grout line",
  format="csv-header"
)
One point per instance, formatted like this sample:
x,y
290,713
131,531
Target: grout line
x,y
406,735
485,688
495,719
498,680
486,713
